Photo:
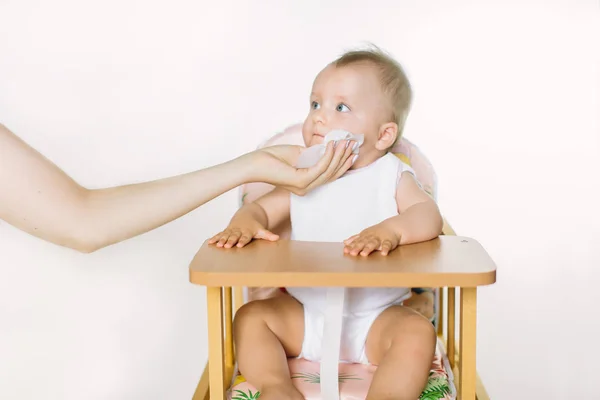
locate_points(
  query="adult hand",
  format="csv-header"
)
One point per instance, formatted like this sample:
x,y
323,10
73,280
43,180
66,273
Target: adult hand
x,y
275,165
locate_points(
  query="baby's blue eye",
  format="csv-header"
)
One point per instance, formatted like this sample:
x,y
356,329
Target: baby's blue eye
x,y
314,105
342,108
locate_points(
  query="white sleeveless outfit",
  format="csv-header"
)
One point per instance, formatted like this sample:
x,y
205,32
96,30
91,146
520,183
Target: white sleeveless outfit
x,y
332,213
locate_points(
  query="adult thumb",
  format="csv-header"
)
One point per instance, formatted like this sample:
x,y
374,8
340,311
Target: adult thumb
x,y
266,235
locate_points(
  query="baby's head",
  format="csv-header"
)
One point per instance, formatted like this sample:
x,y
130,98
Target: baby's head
x,y
363,91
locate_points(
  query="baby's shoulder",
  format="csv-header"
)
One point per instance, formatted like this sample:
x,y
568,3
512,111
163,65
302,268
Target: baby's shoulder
x,y
399,167
403,171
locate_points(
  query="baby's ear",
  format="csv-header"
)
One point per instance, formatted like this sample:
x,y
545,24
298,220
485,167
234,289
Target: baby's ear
x,y
387,136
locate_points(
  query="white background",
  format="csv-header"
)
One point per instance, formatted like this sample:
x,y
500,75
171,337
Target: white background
x,y
114,92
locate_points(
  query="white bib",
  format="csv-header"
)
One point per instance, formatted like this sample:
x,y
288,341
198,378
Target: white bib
x,y
332,213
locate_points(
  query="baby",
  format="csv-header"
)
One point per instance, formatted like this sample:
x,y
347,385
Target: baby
x,y
375,207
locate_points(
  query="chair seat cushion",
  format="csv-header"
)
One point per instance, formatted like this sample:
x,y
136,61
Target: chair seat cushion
x,y
354,380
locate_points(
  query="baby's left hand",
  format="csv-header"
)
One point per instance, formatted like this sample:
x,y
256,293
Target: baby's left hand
x,y
379,237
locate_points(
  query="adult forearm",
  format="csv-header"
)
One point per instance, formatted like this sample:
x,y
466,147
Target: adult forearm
x,y
39,198
115,214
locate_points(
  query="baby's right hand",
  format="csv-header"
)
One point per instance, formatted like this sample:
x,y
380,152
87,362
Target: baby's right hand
x,y
241,233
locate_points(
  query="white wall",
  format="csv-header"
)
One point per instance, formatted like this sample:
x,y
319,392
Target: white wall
x,y
507,98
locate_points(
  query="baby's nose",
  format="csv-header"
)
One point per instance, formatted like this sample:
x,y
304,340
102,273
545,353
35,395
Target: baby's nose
x,y
319,116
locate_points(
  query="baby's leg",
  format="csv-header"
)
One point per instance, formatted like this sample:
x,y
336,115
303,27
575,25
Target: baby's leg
x,y
422,301
266,332
402,343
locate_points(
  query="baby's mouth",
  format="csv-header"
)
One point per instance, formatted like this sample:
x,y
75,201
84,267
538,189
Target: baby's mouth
x,y
318,138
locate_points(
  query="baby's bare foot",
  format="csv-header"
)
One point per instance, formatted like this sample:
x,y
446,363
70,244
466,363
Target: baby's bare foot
x,y
280,393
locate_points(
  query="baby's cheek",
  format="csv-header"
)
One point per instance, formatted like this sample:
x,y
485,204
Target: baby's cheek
x,y
307,136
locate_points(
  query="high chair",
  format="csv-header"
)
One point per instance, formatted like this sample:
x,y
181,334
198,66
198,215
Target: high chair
x,y
446,265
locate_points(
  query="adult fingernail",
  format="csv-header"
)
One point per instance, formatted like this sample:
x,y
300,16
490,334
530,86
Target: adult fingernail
x,y
355,146
354,159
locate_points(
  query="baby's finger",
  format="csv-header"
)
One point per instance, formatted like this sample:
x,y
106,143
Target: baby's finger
x,y
371,245
215,238
233,239
223,238
266,235
350,240
386,247
348,249
357,246
245,238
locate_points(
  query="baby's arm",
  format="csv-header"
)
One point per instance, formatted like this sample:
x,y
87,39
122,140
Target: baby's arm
x,y
419,219
254,220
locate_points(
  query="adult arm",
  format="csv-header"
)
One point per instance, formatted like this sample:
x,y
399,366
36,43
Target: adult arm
x,y
39,198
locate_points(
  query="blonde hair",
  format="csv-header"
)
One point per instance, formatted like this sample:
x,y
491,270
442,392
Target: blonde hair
x,y
393,80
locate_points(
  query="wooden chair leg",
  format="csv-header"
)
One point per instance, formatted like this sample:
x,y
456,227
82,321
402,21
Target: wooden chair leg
x,y
238,298
482,394
451,326
468,345
216,367
440,311
228,336
202,390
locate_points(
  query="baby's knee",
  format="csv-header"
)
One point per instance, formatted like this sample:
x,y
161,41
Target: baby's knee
x,y
253,312
421,330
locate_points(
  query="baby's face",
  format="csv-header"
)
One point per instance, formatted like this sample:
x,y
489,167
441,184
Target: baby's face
x,y
348,98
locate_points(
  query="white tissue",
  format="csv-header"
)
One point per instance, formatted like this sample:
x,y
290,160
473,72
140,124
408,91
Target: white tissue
x,y
313,154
